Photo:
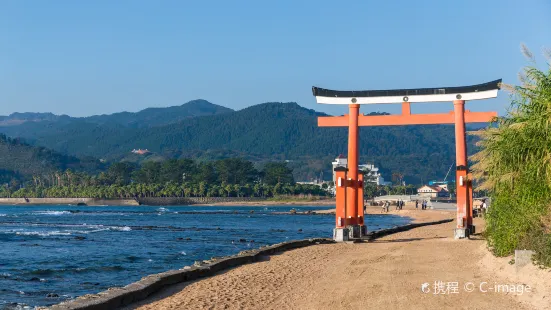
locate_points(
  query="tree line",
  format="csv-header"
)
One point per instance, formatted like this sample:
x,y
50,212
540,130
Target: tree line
x,y
232,177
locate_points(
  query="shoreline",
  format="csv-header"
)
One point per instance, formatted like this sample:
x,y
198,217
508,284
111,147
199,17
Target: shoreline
x,y
148,286
388,271
164,201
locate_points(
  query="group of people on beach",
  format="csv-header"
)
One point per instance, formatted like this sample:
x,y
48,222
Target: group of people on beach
x,y
399,205
482,209
386,206
424,204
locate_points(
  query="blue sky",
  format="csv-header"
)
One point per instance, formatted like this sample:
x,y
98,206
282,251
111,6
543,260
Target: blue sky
x,y
94,57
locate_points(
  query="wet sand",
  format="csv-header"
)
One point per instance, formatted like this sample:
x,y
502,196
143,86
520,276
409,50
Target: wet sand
x,y
384,274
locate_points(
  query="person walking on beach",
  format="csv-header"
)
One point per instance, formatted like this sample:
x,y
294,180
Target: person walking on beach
x,y
416,204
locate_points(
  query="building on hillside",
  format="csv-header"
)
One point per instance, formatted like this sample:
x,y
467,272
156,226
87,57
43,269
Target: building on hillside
x,y
140,151
433,191
340,161
373,175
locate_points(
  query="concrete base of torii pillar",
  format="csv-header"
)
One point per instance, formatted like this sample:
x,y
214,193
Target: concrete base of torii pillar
x,y
341,234
461,233
349,233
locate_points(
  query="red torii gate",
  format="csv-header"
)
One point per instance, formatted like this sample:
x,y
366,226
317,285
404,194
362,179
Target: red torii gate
x,y
349,186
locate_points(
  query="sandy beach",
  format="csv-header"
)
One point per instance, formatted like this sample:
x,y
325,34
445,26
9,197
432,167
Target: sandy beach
x,y
384,274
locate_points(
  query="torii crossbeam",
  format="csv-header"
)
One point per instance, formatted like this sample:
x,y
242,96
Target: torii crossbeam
x,y
349,187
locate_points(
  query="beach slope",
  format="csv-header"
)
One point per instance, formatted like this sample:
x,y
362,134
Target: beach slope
x,y
387,273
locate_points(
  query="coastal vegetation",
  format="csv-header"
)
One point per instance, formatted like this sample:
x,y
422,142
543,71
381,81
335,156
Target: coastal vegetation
x,y
515,166
232,177
373,190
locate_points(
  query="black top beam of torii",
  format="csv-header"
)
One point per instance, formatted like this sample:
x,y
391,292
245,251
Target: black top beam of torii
x,y
436,94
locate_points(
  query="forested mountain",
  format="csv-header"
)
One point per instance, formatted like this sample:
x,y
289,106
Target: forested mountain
x,y
20,161
265,132
160,116
19,118
145,118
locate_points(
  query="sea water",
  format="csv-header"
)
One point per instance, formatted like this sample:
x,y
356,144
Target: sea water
x,y
49,254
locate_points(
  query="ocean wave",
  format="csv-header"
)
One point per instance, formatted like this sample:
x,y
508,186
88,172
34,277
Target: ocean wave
x,y
125,228
43,233
92,228
21,232
3,214
52,212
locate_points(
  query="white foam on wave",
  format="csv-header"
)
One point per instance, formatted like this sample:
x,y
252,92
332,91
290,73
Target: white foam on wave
x,y
43,233
2,214
125,228
88,231
52,212
161,209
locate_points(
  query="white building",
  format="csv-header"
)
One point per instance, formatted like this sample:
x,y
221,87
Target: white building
x,y
340,161
373,175
432,191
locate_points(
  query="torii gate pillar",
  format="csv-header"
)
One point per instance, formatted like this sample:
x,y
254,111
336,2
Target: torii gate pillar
x,y
463,183
353,220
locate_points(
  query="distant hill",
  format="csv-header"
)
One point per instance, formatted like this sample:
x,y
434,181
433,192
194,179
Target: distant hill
x,y
269,131
160,116
145,118
19,118
21,160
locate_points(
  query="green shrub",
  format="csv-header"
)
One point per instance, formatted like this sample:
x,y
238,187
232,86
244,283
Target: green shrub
x,y
514,165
